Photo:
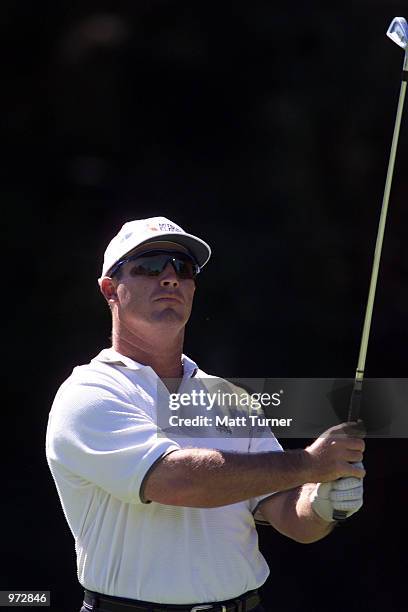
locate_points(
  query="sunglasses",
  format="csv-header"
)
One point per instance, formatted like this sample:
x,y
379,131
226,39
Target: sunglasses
x,y
153,263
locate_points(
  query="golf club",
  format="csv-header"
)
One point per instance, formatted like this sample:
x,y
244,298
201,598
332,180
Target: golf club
x,y
398,32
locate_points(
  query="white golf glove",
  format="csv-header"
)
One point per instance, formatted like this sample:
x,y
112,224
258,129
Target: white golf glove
x,y
342,494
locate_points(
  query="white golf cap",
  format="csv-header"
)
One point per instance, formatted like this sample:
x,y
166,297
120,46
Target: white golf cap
x,y
145,231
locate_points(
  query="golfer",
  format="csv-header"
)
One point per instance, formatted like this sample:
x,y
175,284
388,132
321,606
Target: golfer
x,y
162,524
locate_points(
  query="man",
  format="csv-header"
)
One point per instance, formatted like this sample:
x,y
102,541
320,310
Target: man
x,y
161,524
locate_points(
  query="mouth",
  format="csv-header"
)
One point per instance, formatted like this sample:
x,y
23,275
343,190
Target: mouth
x,y
168,298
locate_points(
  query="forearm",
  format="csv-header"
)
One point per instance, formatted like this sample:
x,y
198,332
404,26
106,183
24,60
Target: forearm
x,y
207,478
297,518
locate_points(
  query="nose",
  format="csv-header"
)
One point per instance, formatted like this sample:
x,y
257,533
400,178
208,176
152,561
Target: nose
x,y
169,278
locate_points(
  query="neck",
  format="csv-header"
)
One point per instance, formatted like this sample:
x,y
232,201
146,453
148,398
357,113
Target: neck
x,y
162,354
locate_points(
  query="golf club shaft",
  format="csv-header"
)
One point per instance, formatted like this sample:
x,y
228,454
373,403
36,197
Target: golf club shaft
x,y
355,400
356,394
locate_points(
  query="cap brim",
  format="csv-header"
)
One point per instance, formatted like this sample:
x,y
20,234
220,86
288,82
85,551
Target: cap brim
x,y
199,249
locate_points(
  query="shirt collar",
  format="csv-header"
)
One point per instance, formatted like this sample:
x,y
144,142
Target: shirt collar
x,y
111,356
190,368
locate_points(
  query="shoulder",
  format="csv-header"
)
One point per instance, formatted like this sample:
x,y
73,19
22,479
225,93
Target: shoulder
x,y
96,374
95,384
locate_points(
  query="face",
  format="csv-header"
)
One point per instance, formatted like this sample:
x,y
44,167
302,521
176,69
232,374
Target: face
x,y
163,300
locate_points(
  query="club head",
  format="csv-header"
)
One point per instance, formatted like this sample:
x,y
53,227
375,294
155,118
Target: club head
x,y
398,32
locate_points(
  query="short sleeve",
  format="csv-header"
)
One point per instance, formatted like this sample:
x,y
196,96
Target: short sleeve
x,y
102,438
264,442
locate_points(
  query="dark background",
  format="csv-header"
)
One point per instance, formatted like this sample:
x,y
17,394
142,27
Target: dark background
x,y
266,130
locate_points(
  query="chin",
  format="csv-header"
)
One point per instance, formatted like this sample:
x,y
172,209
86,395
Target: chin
x,y
169,315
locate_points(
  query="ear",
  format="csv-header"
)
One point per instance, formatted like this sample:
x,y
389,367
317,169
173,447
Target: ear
x,y
108,289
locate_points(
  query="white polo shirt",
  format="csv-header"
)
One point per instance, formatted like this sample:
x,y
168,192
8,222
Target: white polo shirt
x,y
101,442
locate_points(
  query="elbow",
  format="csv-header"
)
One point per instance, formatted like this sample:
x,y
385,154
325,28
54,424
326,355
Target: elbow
x,y
305,539
175,482
309,538
170,492
177,491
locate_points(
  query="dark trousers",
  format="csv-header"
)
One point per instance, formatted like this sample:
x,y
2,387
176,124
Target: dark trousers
x,y
257,609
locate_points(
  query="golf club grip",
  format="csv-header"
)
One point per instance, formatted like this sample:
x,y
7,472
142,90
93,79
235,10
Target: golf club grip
x,y
355,401
353,415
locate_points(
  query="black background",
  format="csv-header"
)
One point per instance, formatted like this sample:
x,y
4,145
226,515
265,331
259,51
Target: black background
x,y
263,128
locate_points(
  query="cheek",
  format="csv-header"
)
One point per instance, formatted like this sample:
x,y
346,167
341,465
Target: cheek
x,y
127,295
134,293
190,292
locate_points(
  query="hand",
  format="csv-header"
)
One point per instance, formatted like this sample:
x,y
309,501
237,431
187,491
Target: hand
x,y
343,494
337,453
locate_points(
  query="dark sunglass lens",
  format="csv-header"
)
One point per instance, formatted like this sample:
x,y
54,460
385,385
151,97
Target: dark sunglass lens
x,y
149,265
153,264
185,269
151,268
